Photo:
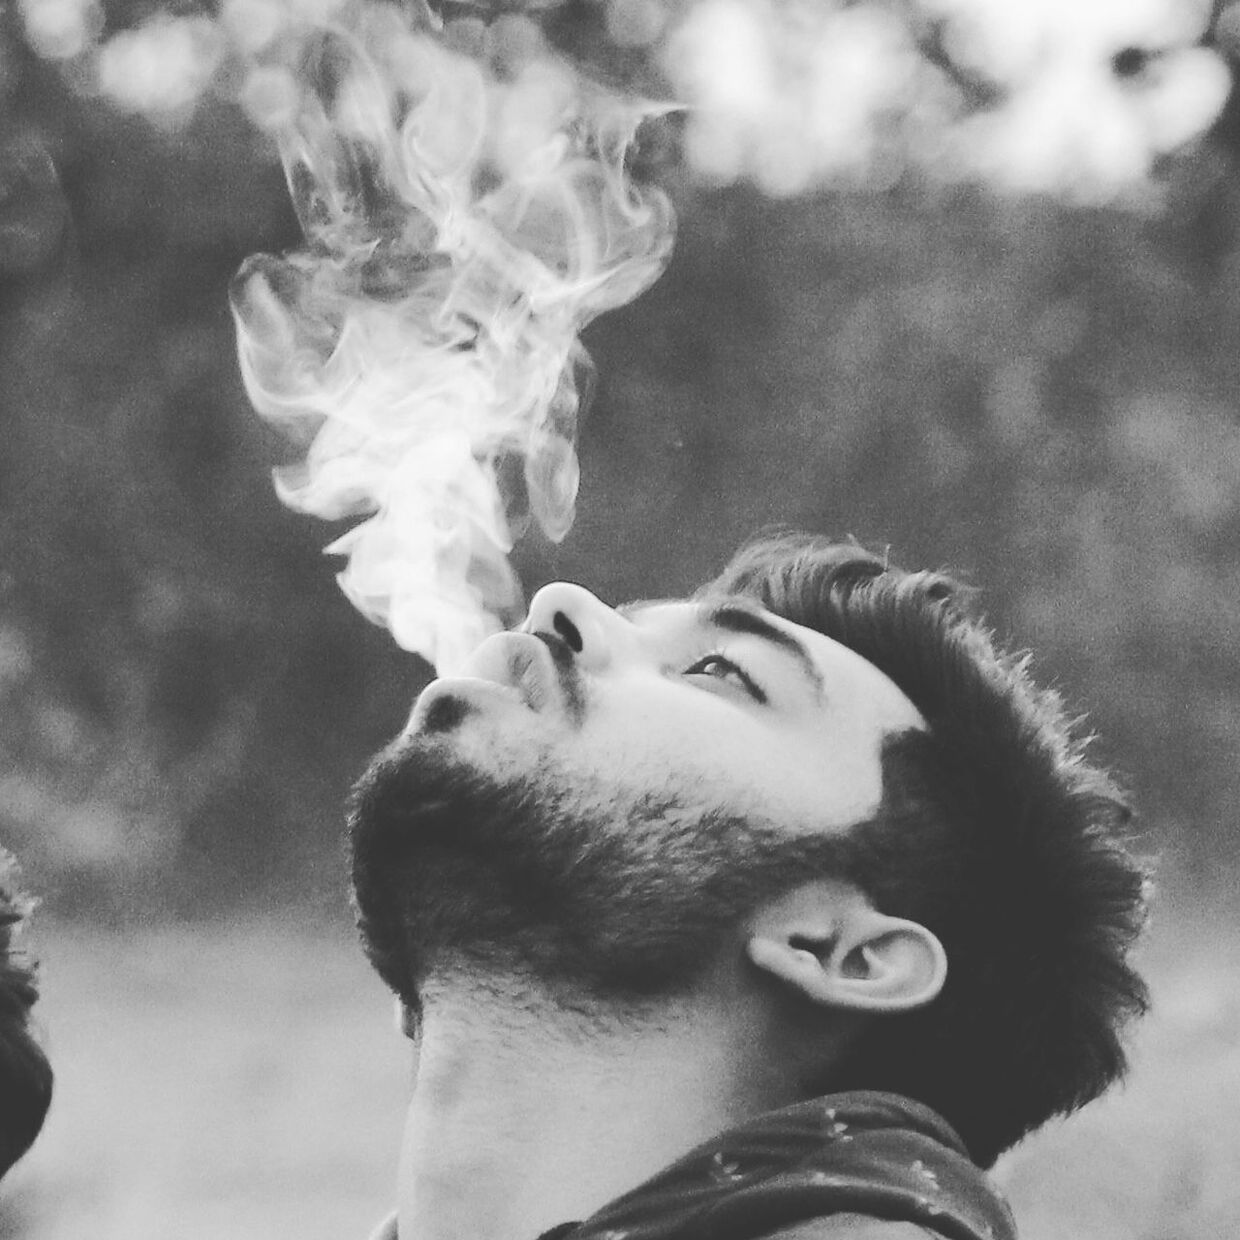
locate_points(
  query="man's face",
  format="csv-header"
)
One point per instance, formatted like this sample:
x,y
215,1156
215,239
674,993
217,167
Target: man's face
x,y
721,703
600,797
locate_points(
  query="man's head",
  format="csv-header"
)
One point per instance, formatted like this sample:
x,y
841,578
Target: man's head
x,y
820,767
25,1074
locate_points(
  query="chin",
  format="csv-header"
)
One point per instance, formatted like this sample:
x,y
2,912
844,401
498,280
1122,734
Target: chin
x,y
467,729
462,850
443,707
445,704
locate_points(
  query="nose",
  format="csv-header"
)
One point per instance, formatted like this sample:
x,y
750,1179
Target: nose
x,y
591,630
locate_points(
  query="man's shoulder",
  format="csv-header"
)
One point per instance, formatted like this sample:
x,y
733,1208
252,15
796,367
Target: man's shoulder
x,y
850,1227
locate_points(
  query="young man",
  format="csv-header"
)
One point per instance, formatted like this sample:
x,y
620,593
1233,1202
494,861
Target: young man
x,y
777,912
25,1074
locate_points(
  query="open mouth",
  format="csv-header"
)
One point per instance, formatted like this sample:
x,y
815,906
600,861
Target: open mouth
x,y
522,661
520,665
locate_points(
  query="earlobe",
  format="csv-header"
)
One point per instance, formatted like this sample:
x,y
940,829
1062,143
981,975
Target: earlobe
x,y
865,961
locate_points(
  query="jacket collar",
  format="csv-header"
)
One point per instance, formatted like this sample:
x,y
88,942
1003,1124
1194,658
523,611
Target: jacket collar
x,y
868,1153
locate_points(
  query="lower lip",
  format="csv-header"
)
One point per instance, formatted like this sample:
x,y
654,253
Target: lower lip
x,y
518,661
528,674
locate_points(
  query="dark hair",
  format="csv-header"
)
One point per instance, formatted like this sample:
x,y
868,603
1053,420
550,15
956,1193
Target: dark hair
x,y
996,833
25,1074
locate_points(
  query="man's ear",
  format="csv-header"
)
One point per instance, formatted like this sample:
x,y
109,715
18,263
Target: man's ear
x,y
828,943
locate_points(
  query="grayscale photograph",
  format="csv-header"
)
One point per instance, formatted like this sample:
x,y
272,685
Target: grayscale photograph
x,y
619,619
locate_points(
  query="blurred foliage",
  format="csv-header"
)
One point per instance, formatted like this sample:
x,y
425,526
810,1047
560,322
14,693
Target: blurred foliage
x,y
1041,95
1038,393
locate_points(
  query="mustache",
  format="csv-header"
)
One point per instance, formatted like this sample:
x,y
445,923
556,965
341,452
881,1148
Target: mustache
x,y
568,677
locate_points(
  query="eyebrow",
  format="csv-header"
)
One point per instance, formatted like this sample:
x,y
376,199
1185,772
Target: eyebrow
x,y
738,616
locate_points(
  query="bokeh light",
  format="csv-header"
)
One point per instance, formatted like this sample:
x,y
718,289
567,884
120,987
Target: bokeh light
x,y
161,68
1025,97
61,29
1048,96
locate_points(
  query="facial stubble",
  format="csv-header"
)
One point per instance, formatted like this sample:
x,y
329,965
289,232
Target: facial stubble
x,y
600,891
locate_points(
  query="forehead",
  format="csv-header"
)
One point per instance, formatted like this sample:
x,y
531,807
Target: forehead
x,y
847,680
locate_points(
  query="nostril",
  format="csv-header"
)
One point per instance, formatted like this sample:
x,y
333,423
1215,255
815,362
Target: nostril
x,y
568,631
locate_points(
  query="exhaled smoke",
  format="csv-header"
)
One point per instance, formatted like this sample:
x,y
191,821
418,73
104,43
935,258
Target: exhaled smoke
x,y
463,223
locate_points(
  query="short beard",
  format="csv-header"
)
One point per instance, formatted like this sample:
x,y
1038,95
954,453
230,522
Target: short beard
x,y
452,866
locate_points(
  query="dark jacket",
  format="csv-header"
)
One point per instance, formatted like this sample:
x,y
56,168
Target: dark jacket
x,y
857,1166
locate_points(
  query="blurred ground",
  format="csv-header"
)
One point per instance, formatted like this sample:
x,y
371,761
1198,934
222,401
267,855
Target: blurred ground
x,y
242,1080
1160,1158
247,1081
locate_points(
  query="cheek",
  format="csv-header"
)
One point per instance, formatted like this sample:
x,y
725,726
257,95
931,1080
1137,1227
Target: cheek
x,y
676,727
703,748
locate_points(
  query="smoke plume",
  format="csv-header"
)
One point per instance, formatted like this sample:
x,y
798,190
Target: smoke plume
x,y
466,214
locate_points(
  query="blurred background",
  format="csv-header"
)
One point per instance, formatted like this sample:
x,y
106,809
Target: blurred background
x,y
958,277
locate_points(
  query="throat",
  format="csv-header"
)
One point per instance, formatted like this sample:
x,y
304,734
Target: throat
x,y
526,1115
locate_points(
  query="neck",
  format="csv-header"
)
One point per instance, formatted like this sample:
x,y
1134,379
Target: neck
x,y
525,1114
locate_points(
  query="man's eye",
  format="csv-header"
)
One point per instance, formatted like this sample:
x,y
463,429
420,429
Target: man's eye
x,y
714,665
722,668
